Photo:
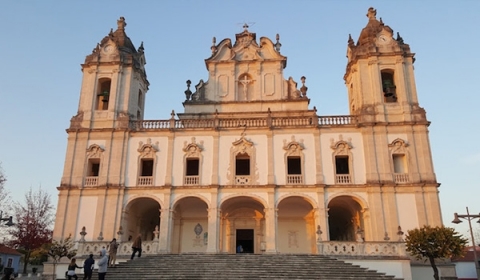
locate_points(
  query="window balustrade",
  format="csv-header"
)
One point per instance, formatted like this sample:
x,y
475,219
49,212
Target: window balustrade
x,y
343,179
401,178
145,181
91,181
294,179
191,180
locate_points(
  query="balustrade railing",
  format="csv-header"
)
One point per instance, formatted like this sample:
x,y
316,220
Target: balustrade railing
x,y
401,178
93,247
90,181
336,120
191,180
242,180
243,122
370,248
145,181
343,179
294,179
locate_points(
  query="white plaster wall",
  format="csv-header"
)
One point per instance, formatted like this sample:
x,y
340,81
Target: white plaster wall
x,y
86,217
293,236
407,211
188,239
397,268
466,270
357,153
160,164
279,163
261,159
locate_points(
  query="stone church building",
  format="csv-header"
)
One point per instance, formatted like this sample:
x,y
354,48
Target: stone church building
x,y
249,162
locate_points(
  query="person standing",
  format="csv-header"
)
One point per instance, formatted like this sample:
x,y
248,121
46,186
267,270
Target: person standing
x,y
112,252
71,269
88,268
137,246
102,265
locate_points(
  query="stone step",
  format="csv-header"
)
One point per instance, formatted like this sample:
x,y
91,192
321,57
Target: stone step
x,y
239,266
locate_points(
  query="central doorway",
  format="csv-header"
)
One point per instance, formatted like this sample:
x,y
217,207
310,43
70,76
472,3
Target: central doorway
x,y
245,239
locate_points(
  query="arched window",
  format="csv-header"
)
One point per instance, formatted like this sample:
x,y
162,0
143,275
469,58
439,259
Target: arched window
x,y
294,159
399,158
192,162
94,160
103,94
146,163
342,161
388,87
242,168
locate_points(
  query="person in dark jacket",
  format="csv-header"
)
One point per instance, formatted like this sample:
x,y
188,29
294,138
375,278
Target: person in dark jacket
x,y
137,246
88,268
71,269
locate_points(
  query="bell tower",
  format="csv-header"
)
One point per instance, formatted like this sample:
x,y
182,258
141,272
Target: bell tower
x,y
380,76
114,83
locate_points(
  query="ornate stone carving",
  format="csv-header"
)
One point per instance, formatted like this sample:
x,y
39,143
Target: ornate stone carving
x,y
94,151
246,148
398,146
192,149
147,150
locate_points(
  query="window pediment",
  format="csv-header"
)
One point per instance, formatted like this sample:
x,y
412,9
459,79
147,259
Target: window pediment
x,y
341,147
293,148
192,149
147,150
398,146
95,151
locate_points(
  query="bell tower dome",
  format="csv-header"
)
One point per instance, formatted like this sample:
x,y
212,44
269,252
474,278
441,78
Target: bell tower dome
x,y
114,83
380,76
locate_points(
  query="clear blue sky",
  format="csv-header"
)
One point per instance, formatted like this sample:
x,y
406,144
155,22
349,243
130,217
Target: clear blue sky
x,y
44,43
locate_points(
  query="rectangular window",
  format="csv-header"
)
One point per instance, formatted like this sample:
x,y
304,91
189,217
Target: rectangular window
x,y
193,165
147,167
93,167
399,165
9,262
341,165
293,166
242,165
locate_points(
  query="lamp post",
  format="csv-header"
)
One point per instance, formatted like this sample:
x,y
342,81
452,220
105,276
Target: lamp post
x,y
469,218
9,220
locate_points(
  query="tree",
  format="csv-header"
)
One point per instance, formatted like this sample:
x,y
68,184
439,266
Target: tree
x,y
433,243
59,249
5,199
33,222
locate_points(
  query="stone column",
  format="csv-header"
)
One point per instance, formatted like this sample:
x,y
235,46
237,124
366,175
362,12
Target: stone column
x,y
165,230
212,246
270,230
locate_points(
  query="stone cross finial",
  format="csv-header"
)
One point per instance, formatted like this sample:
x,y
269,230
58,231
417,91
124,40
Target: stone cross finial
x,y
372,13
245,26
121,23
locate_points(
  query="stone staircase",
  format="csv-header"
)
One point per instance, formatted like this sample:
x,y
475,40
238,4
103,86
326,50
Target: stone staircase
x,y
239,266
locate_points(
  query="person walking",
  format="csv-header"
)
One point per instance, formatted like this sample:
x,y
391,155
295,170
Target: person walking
x,y
137,246
88,265
71,269
112,252
102,265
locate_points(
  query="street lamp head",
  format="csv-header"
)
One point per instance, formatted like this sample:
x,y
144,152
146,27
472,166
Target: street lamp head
x,y
456,220
10,222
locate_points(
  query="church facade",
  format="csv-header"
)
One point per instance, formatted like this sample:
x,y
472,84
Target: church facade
x,y
248,163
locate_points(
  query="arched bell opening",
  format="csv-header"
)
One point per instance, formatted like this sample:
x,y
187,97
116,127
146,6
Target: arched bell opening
x,y
242,226
296,226
190,226
142,215
345,219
